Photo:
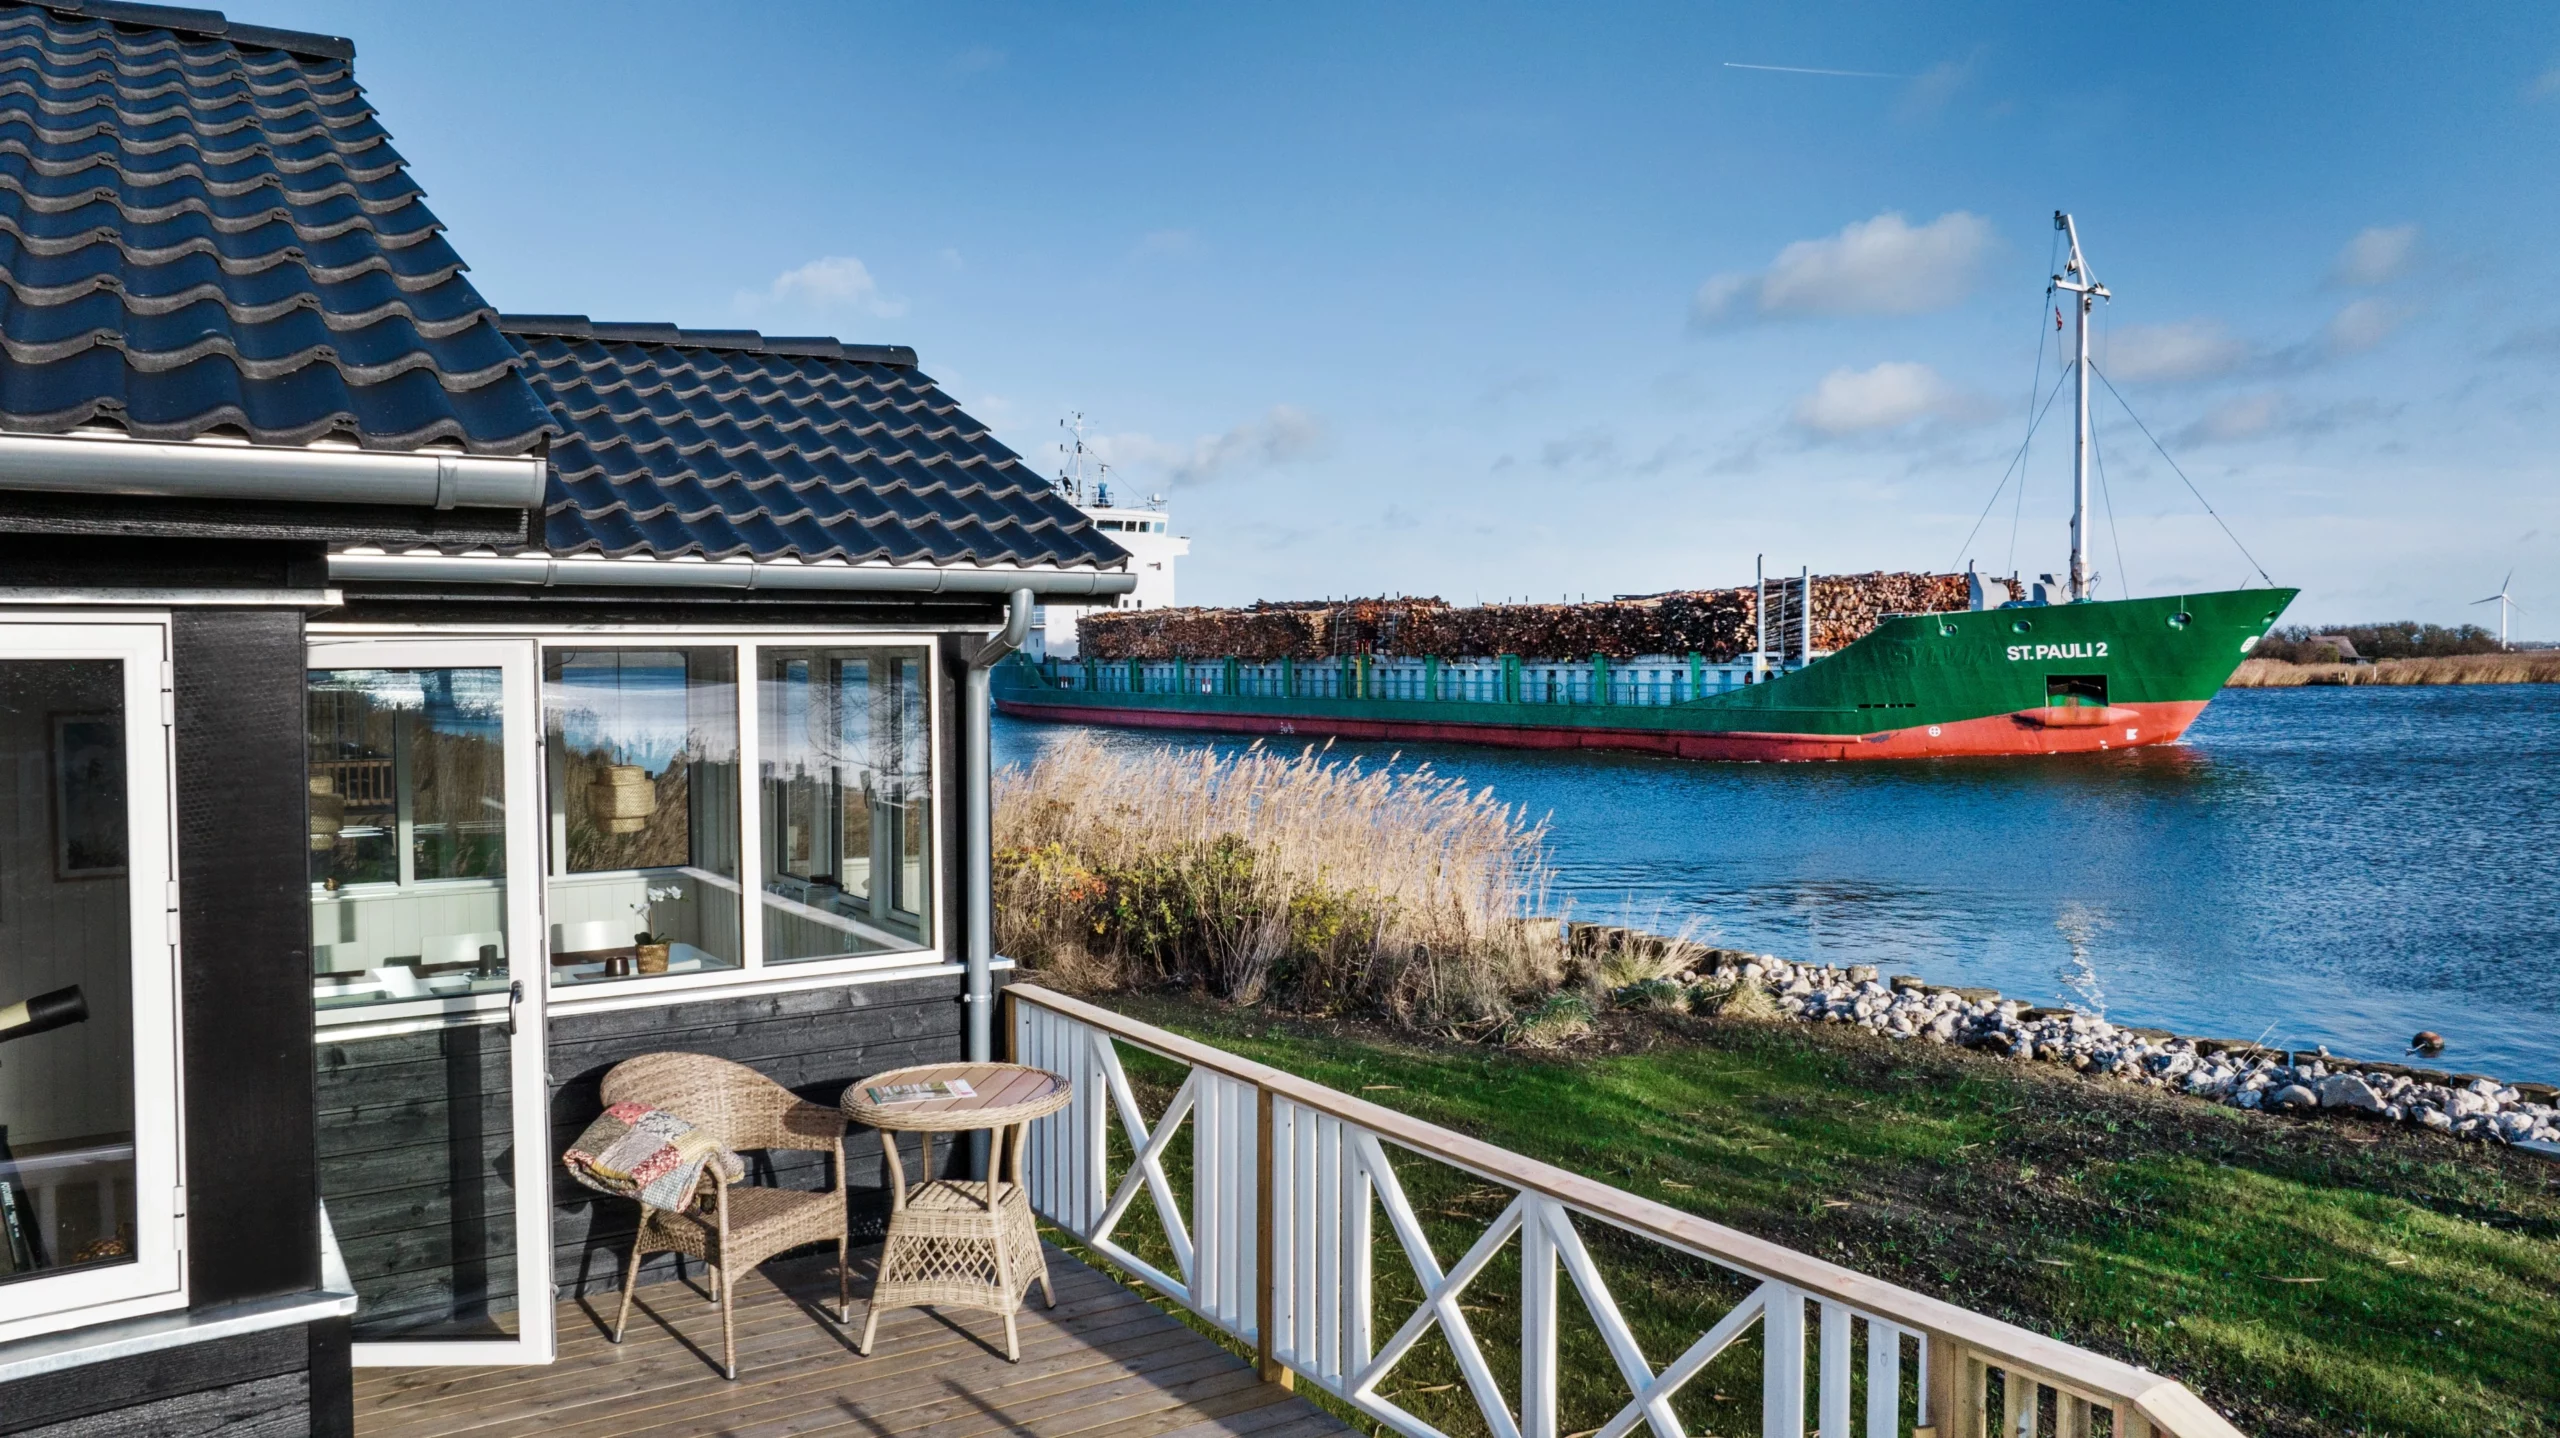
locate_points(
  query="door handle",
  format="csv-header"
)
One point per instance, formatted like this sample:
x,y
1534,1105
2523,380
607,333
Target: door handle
x,y
515,996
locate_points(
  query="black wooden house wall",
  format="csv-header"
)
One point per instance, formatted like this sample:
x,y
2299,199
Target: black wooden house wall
x,y
813,1042
244,927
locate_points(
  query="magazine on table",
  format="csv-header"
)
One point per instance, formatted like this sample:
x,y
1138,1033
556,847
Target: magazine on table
x,y
883,1095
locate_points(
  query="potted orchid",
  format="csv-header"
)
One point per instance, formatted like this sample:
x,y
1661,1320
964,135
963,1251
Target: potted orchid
x,y
649,946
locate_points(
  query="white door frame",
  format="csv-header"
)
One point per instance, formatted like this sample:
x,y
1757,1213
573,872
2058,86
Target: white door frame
x,y
156,1280
529,951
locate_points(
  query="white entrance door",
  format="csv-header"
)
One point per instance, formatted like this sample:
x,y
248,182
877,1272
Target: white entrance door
x,y
427,988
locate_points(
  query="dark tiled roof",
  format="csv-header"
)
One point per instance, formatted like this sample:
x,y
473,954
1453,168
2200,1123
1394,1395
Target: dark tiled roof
x,y
725,443
204,227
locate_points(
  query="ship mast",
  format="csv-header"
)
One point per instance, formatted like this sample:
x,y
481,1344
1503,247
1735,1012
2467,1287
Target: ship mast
x,y
2086,292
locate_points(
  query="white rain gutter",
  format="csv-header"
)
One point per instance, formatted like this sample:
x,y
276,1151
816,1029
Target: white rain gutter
x,y
154,469
978,858
546,571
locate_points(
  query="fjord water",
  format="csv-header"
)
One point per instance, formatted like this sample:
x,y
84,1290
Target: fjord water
x,y
2340,865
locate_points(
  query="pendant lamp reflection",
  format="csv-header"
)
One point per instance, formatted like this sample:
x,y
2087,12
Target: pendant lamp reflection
x,y
623,798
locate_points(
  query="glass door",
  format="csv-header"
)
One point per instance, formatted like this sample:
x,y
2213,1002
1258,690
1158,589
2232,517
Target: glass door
x,y
427,953
90,1199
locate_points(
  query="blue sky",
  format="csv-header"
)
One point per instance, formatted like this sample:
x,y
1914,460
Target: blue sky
x,y
1536,301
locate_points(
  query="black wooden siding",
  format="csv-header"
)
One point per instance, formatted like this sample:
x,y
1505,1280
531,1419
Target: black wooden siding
x,y
245,994
417,1155
245,934
257,1385
813,1042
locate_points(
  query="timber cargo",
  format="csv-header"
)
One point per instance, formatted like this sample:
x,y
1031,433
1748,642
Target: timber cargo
x,y
1717,623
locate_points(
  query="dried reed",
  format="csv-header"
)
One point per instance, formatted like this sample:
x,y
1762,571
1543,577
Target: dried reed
x,y
1331,884
2526,667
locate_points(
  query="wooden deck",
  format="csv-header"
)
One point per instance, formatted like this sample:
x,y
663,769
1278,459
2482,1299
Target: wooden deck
x,y
1103,1362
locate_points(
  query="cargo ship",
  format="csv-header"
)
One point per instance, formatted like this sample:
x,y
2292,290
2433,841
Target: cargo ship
x,y
1801,668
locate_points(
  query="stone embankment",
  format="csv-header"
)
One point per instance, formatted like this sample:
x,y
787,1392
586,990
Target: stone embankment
x,y
2245,1075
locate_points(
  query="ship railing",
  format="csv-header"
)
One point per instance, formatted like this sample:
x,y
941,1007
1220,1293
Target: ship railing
x,y
1652,681
1261,1220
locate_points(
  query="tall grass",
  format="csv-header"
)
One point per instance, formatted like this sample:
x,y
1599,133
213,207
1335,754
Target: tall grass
x,y
2528,667
1329,886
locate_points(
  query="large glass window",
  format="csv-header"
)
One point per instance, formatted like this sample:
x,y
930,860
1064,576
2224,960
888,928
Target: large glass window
x,y
67,1169
408,835
847,817
644,811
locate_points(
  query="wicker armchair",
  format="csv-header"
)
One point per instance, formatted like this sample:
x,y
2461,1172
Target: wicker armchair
x,y
734,1227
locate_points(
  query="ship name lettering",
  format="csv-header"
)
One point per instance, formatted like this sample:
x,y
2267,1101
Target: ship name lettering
x,y
2094,650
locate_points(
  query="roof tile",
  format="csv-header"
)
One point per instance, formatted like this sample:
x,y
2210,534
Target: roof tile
x,y
724,443
203,225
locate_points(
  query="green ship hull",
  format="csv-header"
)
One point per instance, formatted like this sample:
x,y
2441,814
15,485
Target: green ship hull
x,y
2025,679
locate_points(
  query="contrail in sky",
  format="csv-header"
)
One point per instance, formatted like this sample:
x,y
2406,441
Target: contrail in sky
x,y
1801,70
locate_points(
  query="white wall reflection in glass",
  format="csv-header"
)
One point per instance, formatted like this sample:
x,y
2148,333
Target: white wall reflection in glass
x,y
847,789
644,846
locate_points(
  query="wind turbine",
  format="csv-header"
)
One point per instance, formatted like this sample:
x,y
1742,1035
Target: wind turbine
x,y
2504,604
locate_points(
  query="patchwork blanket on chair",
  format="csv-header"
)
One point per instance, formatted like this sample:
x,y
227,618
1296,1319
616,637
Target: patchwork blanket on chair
x,y
649,1154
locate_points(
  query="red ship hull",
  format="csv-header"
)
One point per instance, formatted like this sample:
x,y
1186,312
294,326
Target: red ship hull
x,y
2028,731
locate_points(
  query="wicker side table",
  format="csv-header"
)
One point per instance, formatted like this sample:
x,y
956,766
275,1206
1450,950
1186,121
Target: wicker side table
x,y
959,1243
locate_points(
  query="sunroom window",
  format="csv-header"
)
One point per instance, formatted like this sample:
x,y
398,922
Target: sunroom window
x,y
848,811
408,835
643,768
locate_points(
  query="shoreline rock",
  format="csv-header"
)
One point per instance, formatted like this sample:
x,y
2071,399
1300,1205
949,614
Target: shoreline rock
x,y
2313,1082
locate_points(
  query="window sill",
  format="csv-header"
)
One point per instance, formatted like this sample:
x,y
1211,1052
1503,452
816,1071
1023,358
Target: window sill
x,y
789,978
153,1333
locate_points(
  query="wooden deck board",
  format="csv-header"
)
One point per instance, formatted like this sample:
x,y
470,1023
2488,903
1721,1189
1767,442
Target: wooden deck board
x,y
1104,1362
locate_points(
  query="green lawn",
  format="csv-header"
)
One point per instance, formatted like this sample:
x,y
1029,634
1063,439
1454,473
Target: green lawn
x,y
2426,1292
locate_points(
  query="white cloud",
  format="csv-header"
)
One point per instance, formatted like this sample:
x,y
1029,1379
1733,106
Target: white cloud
x,y
1888,396
831,282
2248,416
978,59
2542,342
2268,414
2187,349
1883,266
2545,85
1935,86
1283,433
2376,256
2362,325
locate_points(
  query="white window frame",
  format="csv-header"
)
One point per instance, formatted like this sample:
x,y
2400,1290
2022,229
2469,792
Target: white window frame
x,y
751,782
156,1281
753,974
422,651
529,1095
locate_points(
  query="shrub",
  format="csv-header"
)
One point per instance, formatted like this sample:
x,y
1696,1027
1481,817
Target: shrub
x,y
1658,994
1741,999
1329,885
1552,1022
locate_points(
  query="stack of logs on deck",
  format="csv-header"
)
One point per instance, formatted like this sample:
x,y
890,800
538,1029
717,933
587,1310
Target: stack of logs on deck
x,y
1716,623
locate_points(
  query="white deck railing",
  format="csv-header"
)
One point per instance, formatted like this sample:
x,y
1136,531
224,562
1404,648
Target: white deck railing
x,y
1275,1247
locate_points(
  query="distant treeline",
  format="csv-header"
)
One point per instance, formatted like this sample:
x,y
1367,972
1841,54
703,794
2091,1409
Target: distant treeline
x,y
2402,639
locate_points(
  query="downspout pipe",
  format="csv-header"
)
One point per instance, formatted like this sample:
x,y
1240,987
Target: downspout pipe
x,y
977,702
